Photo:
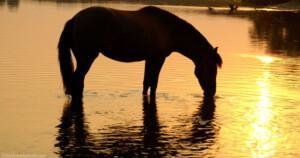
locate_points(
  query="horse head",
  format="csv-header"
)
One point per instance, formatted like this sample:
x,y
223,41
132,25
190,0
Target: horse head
x,y
206,71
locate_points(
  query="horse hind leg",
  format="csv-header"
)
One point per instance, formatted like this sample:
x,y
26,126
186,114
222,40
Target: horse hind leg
x,y
84,62
151,75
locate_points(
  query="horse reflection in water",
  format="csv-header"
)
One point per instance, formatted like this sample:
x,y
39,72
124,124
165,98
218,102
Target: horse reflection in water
x,y
138,141
149,34
203,130
75,140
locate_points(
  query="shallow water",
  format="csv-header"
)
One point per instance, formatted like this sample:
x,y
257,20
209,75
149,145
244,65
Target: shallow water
x,y
255,112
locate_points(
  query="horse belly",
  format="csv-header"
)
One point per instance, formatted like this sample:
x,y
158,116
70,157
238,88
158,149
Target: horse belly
x,y
125,55
129,47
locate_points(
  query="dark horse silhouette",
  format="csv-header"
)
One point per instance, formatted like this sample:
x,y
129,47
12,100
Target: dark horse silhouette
x,y
149,34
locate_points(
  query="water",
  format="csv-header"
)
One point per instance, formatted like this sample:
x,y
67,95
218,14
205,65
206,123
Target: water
x,y
255,113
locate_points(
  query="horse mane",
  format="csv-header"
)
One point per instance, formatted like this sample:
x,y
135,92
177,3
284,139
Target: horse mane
x,y
169,18
173,21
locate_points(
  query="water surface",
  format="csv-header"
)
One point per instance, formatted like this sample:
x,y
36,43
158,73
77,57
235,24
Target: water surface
x,y
255,112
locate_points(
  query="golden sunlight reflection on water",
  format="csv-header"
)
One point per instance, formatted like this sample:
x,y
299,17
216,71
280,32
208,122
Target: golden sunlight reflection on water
x,y
263,138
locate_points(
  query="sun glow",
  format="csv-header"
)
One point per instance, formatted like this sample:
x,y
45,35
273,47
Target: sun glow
x,y
266,59
262,58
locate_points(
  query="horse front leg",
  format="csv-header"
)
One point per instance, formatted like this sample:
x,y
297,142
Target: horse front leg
x,y
151,75
77,84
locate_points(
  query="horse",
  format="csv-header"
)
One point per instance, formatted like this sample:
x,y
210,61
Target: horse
x,y
150,34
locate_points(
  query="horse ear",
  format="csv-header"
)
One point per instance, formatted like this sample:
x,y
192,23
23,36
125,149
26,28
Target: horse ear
x,y
218,57
216,49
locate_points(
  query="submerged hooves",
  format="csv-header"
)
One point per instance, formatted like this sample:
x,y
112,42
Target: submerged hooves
x,y
76,98
152,96
149,100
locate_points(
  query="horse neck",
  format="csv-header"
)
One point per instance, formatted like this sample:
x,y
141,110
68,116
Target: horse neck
x,y
185,38
191,43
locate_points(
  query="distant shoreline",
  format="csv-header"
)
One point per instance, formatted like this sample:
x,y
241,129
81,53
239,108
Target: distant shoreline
x,y
291,5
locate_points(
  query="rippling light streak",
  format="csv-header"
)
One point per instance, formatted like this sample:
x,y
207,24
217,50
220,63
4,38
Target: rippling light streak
x,y
261,141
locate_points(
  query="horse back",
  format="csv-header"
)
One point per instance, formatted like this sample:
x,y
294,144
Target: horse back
x,y
123,35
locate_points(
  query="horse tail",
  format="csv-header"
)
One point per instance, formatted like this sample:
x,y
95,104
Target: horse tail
x,y
64,56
